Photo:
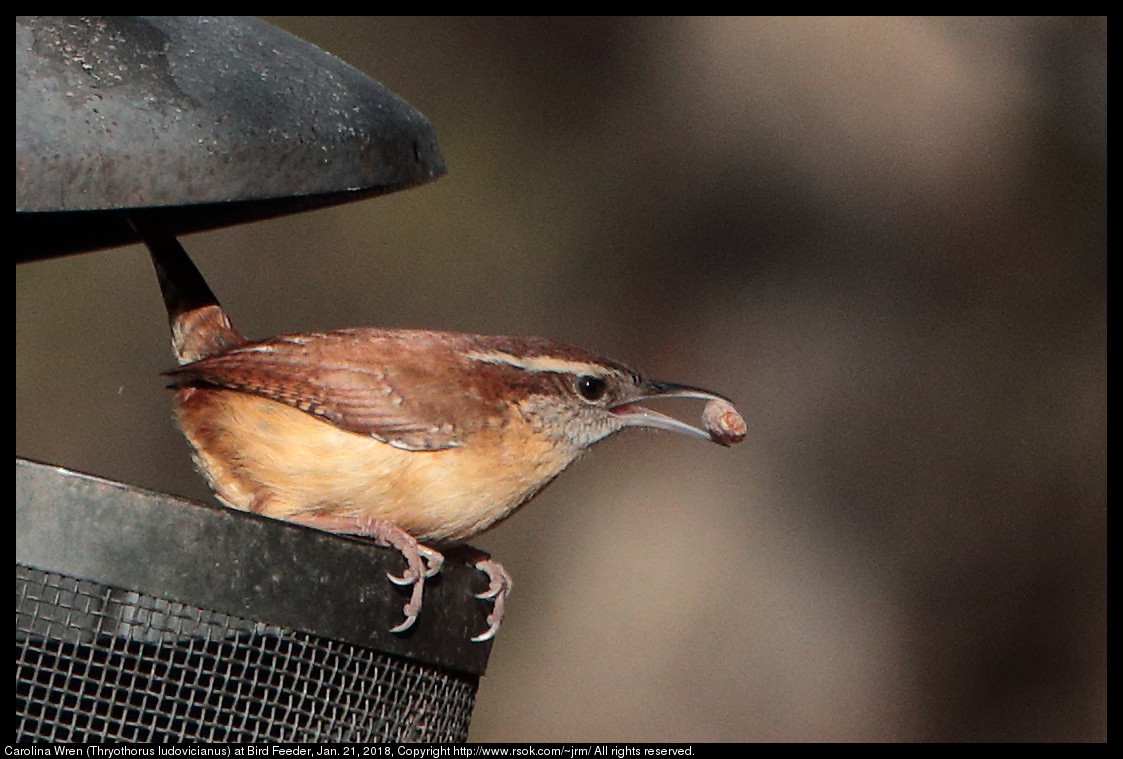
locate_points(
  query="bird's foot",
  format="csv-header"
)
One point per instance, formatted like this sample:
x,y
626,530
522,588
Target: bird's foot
x,y
499,586
421,561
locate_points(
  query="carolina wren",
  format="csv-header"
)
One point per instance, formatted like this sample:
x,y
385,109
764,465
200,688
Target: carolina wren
x,y
410,437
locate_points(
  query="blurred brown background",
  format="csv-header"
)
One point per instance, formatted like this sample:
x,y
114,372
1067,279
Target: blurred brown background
x,y
884,238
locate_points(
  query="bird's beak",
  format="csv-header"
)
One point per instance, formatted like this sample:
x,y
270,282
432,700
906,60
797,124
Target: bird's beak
x,y
633,415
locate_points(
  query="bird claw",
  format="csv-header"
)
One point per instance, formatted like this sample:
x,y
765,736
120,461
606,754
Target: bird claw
x,y
498,588
411,609
493,589
408,623
432,560
487,634
422,562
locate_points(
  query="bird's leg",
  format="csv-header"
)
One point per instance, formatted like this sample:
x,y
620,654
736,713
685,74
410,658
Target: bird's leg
x,y
499,586
421,561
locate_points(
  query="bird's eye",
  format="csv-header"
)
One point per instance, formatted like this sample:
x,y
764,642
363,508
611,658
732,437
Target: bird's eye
x,y
591,388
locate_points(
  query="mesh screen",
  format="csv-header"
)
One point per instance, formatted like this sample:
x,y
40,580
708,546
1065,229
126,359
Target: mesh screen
x,y
101,663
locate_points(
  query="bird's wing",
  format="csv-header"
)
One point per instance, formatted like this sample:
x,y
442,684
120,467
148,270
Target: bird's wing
x,y
350,379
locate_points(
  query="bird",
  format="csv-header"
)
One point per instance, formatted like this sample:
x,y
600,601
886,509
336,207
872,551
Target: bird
x,y
417,439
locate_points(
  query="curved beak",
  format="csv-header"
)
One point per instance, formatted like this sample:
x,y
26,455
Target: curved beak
x,y
633,415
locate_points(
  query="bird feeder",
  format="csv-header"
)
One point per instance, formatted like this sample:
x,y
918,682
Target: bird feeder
x,y
141,616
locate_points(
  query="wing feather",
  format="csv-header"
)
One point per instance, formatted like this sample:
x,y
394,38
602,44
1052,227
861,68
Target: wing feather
x,y
353,379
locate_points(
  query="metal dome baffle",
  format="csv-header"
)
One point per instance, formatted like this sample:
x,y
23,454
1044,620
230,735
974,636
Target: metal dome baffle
x,y
224,119
140,616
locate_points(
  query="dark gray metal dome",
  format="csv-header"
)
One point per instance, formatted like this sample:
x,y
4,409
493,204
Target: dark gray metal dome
x,y
220,120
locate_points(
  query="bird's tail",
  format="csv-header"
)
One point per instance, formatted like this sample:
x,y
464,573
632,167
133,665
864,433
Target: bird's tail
x,y
200,327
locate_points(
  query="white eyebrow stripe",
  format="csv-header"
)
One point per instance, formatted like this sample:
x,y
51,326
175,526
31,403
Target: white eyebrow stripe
x,y
537,363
